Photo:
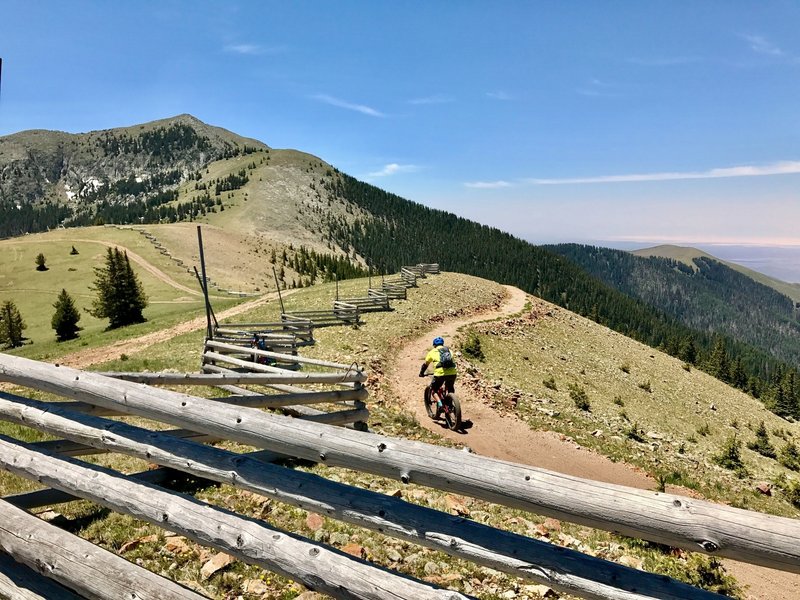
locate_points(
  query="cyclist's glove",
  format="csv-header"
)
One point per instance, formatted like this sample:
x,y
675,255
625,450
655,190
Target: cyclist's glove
x,y
422,373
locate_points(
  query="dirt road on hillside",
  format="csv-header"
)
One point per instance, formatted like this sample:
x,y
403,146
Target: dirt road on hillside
x,y
91,356
507,437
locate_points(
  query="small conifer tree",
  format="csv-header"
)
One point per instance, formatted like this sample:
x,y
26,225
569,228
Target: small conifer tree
x,y
790,457
762,444
120,296
11,325
65,319
40,262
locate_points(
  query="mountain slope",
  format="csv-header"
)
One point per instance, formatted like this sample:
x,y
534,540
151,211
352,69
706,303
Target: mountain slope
x,y
707,295
262,203
687,255
53,178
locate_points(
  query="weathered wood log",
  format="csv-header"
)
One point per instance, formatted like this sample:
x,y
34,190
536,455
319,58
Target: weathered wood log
x,y
314,565
664,518
19,582
284,376
240,378
357,417
281,400
49,496
563,569
70,448
301,359
80,565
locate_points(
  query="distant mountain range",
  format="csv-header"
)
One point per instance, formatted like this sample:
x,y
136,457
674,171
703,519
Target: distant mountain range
x,y
51,178
181,169
687,255
701,292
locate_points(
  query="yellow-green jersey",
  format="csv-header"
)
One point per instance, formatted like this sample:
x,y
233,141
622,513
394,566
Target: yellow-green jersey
x,y
435,357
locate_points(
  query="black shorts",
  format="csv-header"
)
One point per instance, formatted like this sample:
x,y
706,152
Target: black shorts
x,y
447,380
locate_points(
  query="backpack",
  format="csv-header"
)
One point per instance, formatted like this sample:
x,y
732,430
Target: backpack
x,y
446,358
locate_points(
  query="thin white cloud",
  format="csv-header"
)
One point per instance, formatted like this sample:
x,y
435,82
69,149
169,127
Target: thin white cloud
x,y
250,49
361,108
761,45
599,89
666,61
435,99
487,185
499,95
393,169
779,168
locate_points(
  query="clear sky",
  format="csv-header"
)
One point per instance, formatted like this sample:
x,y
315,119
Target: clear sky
x,y
557,121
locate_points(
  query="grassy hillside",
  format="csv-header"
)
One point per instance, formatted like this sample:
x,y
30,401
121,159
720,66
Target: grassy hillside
x,y
173,294
641,406
687,255
575,350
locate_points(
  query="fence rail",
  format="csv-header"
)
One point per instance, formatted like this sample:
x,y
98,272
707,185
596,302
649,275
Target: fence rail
x,y
677,521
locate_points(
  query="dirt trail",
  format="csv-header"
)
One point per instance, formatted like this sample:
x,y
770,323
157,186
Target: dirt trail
x,y
90,356
504,436
507,437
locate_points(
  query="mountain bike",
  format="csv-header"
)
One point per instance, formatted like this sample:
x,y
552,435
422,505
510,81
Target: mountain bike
x,y
442,403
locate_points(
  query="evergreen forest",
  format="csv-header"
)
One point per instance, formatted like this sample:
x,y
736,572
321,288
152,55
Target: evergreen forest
x,y
399,232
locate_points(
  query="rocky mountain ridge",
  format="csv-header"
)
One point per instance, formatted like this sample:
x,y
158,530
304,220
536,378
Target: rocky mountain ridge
x,y
51,177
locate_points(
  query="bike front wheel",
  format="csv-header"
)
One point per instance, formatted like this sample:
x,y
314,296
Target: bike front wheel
x,y
452,412
430,404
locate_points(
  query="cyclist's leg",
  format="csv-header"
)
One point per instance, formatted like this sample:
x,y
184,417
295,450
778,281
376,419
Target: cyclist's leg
x,y
449,382
436,383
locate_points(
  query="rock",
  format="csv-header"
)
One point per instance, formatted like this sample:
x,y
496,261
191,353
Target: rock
x,y
654,436
217,562
551,524
456,505
393,555
509,594
431,568
177,544
255,587
314,521
339,539
713,407
354,550
48,515
765,488
630,561
128,546
597,433
541,591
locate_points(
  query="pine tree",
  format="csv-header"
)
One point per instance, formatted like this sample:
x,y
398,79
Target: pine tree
x,y
762,444
120,297
65,319
719,363
687,351
40,262
74,251
11,325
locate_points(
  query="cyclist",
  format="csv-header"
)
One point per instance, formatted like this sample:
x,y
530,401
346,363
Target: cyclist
x,y
444,367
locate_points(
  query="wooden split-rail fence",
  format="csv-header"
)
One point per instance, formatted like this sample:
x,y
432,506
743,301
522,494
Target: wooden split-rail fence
x,y
282,381
348,311
79,420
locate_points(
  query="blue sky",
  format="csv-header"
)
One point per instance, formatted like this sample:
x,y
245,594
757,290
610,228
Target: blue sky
x,y
557,121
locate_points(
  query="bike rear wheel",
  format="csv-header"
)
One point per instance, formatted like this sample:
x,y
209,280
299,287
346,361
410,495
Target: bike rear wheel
x,y
452,412
430,404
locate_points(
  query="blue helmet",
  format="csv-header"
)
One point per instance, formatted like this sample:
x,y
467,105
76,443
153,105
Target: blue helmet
x,y
438,341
